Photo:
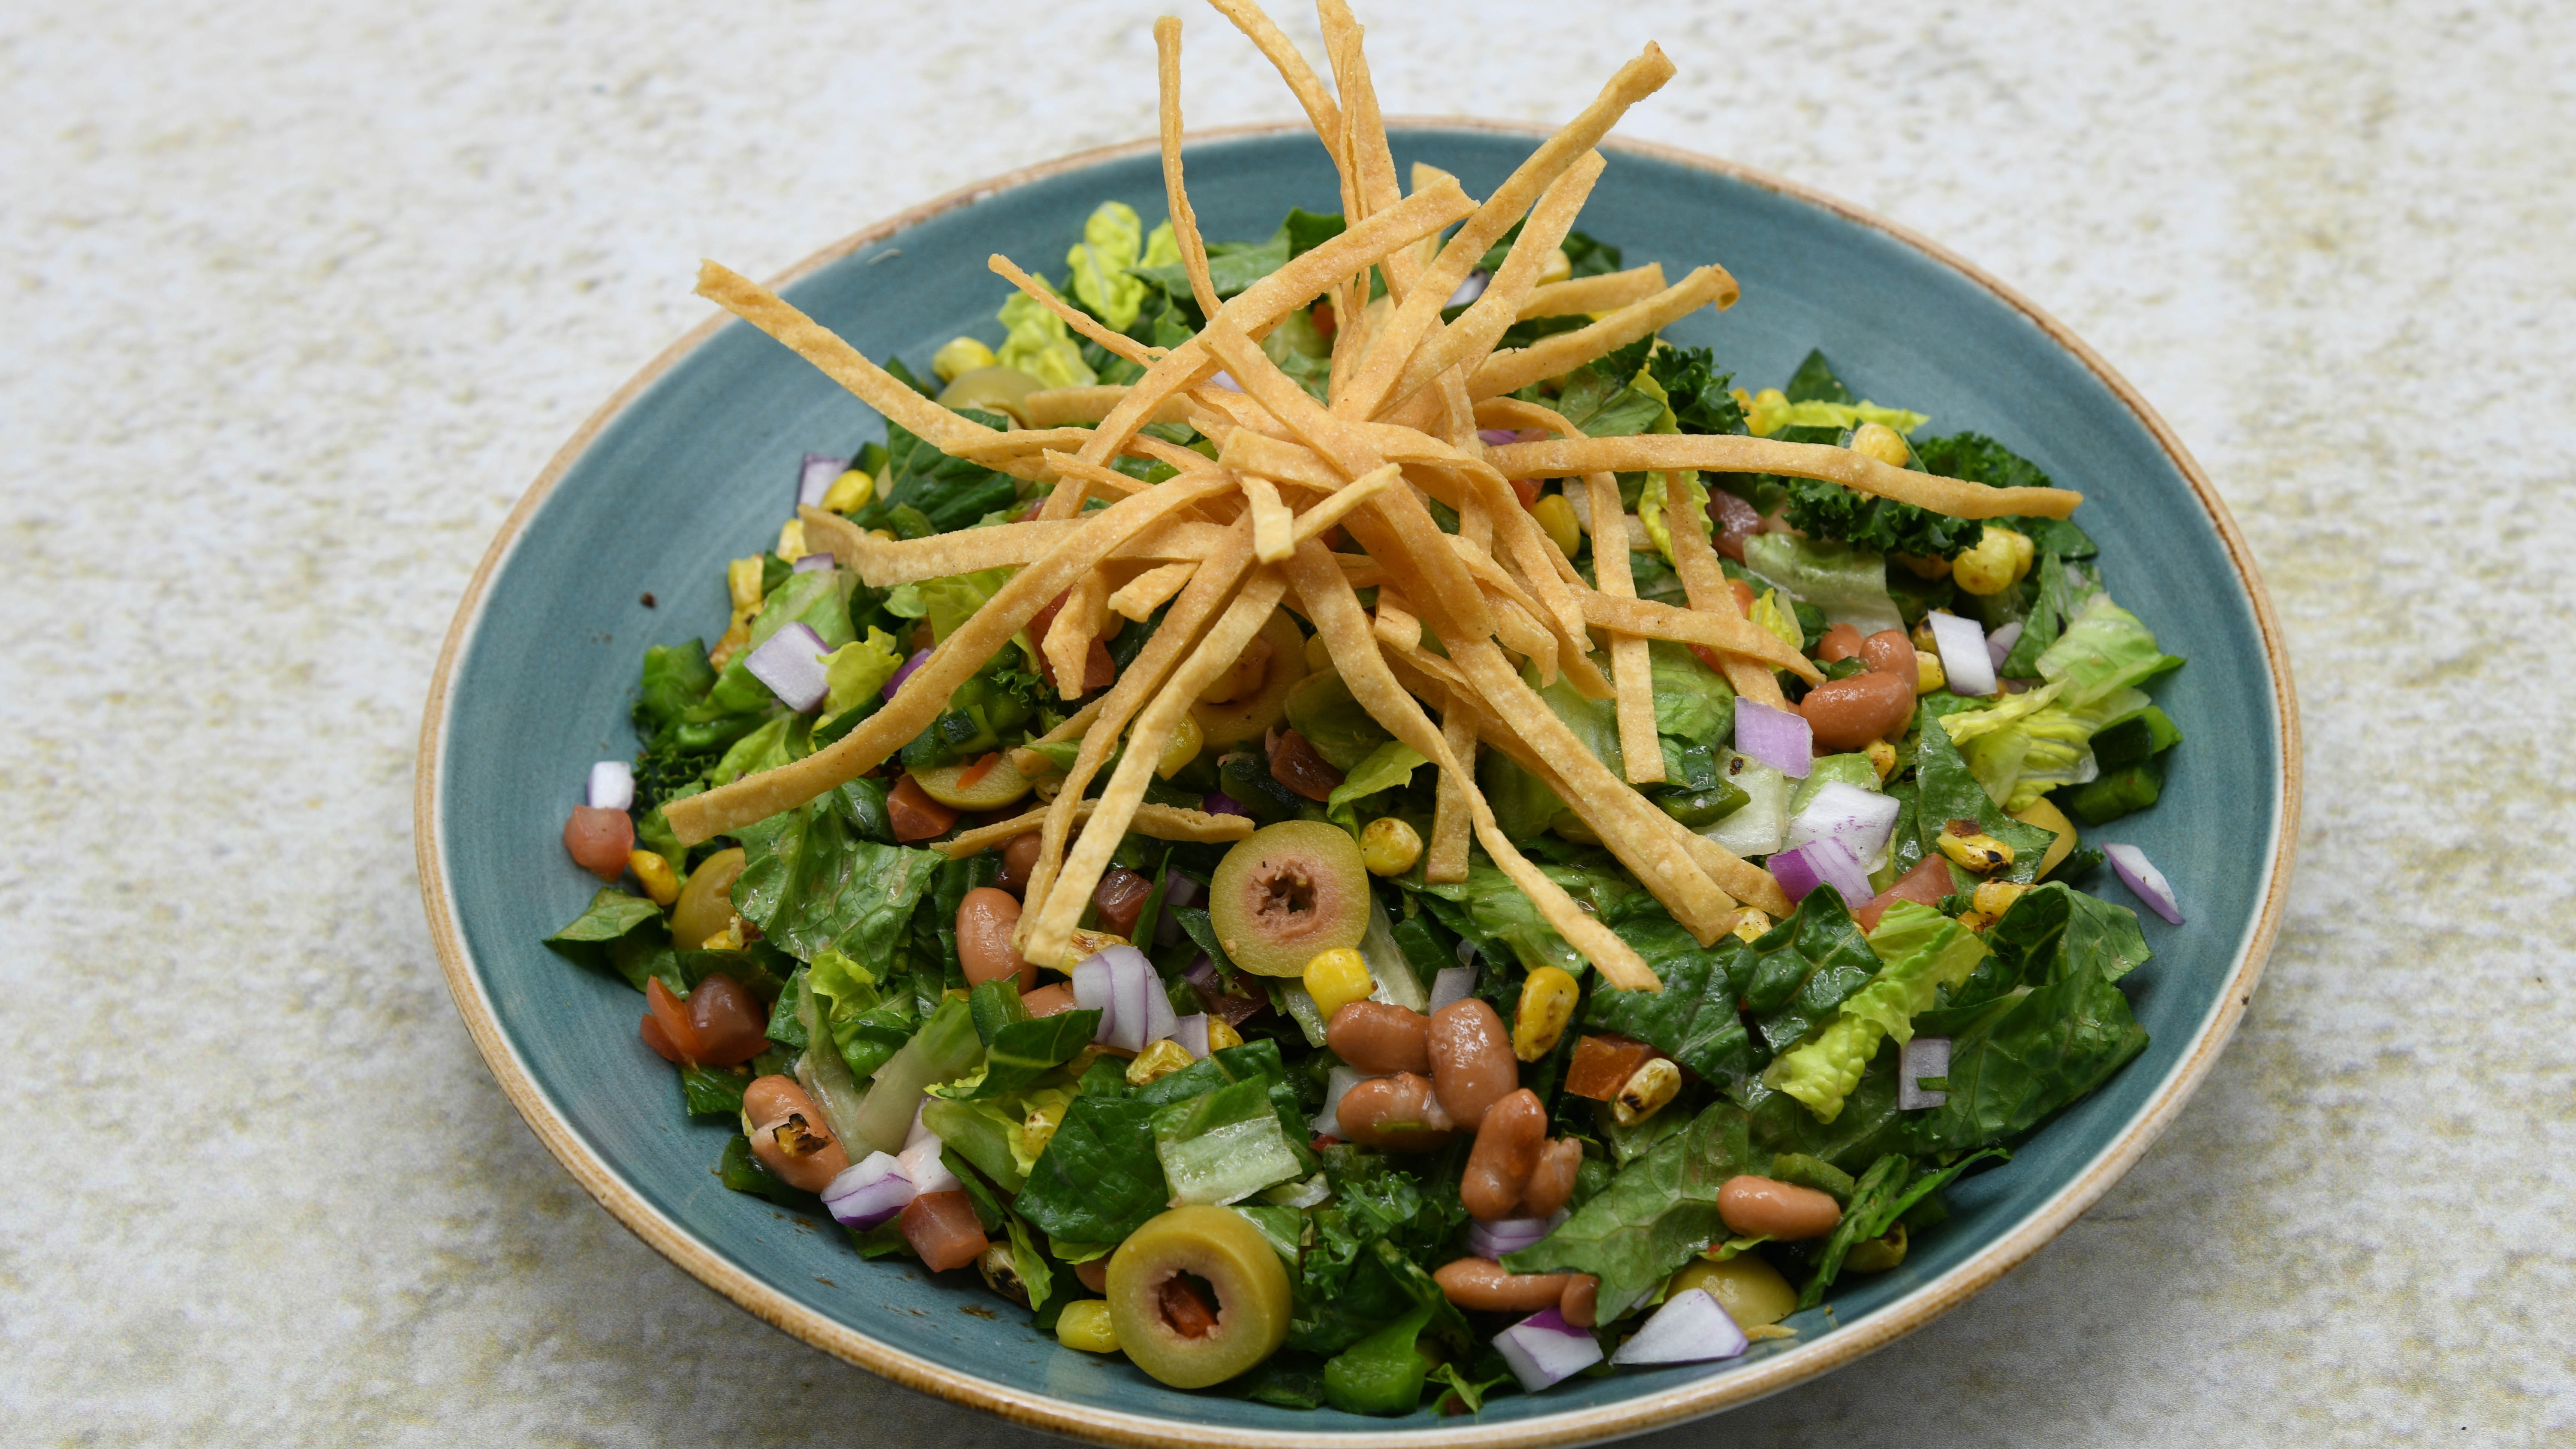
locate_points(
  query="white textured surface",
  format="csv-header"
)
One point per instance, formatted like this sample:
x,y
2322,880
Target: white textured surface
x,y
299,296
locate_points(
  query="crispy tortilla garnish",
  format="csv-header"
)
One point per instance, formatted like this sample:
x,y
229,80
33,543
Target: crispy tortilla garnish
x,y
1152,589
1185,223
1074,317
1163,822
1584,295
1730,453
1511,371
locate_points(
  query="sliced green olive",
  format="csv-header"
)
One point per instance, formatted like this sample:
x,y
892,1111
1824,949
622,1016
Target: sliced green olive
x,y
965,786
1750,1290
1198,1296
990,389
1286,893
705,906
1249,718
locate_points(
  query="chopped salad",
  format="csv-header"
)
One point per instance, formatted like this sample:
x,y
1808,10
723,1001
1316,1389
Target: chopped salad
x,y
1335,816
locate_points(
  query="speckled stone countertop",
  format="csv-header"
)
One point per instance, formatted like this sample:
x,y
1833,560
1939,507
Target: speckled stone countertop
x,y
300,296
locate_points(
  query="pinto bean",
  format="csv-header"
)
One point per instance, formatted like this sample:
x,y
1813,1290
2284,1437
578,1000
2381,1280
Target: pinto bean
x,y
1018,859
1507,1144
770,1098
1582,1301
1049,1000
789,1135
1471,1058
1757,1207
1400,1113
1889,652
986,920
1551,1181
1486,1286
1376,1039
1841,642
1846,714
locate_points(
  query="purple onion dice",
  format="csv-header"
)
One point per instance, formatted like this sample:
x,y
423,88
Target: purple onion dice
x,y
1777,737
791,664
1544,1350
1691,1327
919,658
612,786
868,1193
2147,882
816,477
1970,670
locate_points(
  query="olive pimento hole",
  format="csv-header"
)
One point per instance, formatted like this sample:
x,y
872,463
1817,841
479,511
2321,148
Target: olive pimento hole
x,y
1188,1302
1289,893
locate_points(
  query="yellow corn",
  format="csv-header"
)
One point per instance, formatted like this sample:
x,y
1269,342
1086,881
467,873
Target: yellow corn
x,y
1976,921
1086,1326
1878,440
1556,518
1389,846
1923,566
1882,757
849,492
791,540
660,885
1752,925
1924,640
1221,1034
1158,1060
1995,897
1647,1091
1336,978
742,581
960,356
882,535
1180,747
1086,944
1039,1129
1928,673
1559,267
1998,561
728,939
1547,1004
1980,852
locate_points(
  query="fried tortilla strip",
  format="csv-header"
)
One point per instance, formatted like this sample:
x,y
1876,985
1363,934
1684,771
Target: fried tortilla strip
x,y
1185,223
1260,306
1549,356
1465,342
1729,453
1450,822
1704,583
1419,312
1272,523
1336,506
1397,624
1584,295
1521,634
1328,601
841,362
1631,662
1152,589
1074,317
1281,52
1069,892
992,448
1364,147
1162,822
925,694
1648,619
1067,646
1050,407
883,563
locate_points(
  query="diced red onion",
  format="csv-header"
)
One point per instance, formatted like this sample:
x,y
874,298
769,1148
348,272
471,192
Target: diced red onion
x,y
1226,381
1160,1019
1963,654
1469,290
1179,890
1453,983
2145,880
612,785
868,1193
1497,437
1821,862
1202,974
1120,984
1999,644
921,1164
1924,1056
1192,1033
791,664
1861,819
1510,1235
919,658
1342,1079
813,563
1691,1327
919,1132
1543,1349
816,478
1216,802
1777,737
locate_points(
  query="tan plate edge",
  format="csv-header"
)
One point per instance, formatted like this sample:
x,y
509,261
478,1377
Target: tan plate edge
x,y
1108,1426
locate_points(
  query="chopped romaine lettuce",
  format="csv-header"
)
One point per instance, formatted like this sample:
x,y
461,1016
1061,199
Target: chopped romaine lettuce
x,y
1848,584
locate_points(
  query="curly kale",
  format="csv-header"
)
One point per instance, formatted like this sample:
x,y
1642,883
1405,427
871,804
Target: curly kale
x,y
1829,510
1695,390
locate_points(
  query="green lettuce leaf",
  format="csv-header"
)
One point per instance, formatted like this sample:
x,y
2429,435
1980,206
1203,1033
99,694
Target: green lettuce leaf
x,y
1692,701
812,884
1884,1194
1695,392
1804,968
1947,790
1099,1178
2018,1064
857,671
1113,241
945,493
1388,767
2104,648
1848,584
1694,1019
1040,344
1925,951
867,1023
1223,1146
1322,709
1658,1212
615,933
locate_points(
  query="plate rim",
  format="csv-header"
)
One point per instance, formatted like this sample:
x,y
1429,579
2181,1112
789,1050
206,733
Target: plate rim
x,y
1110,1426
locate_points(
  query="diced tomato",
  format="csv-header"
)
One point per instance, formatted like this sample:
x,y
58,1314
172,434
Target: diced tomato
x,y
1121,897
943,1229
1049,1000
672,1015
1323,1140
1295,764
658,1041
728,1021
1322,317
915,815
1743,596
1924,885
1527,488
1603,1064
1044,618
1335,539
1709,657
1099,671
600,840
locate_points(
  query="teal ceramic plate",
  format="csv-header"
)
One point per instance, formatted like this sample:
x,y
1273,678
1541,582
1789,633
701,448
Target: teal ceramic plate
x,y
694,463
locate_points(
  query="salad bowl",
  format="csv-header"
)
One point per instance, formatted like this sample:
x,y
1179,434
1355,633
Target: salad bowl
x,y
621,543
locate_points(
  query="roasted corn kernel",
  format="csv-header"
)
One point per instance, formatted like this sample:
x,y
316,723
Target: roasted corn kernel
x,y
791,540
1752,925
742,582
1336,978
1086,1326
960,356
1180,747
1160,1059
1998,561
1928,673
1978,852
728,939
1878,440
1389,846
1647,1091
849,492
660,885
1882,757
1995,897
1039,1128
1556,518
1221,1034
1547,1004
